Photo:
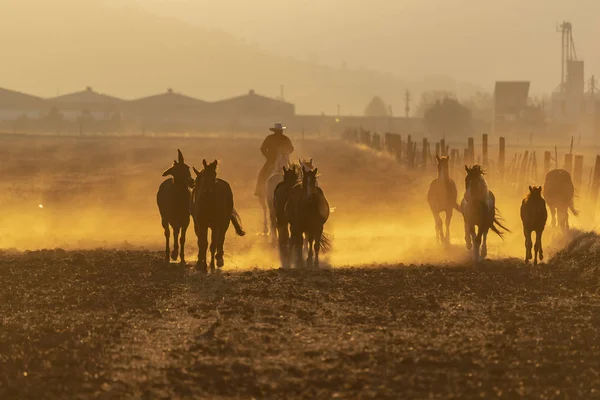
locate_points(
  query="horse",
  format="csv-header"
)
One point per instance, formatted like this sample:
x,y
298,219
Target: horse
x,y
307,210
173,199
280,198
275,179
559,193
534,216
478,208
212,207
442,197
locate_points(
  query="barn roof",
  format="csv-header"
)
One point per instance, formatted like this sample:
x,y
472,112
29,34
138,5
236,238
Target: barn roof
x,y
252,96
168,98
87,96
13,99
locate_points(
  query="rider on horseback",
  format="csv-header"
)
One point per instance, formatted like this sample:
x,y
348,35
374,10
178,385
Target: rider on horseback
x,y
272,146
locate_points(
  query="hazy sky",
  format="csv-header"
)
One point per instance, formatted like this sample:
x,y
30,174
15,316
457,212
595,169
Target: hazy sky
x,y
471,40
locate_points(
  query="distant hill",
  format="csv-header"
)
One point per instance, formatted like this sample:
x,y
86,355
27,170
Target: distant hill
x,y
51,48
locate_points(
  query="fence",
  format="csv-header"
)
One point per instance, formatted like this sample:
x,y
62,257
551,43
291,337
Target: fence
x,y
524,169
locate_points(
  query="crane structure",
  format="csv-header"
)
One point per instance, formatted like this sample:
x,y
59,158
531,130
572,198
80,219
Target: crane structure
x,y
568,52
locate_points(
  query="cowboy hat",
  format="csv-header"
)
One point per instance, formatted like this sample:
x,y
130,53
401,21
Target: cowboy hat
x,y
278,127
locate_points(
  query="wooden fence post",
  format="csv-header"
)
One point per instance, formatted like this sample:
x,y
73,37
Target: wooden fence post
x,y
595,183
523,171
568,163
484,150
424,153
471,145
578,173
502,158
547,159
437,149
443,147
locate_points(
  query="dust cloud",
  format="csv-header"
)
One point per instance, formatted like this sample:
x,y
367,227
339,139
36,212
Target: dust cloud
x,y
100,193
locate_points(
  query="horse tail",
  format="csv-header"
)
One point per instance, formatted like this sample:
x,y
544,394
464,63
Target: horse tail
x,y
498,228
572,208
237,223
325,242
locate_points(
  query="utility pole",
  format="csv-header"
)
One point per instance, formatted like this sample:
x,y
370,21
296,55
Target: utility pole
x,y
407,104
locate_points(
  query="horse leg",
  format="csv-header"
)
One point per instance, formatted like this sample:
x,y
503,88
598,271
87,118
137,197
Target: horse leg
x,y
165,225
476,243
469,235
553,212
448,220
182,241
538,247
310,239
484,245
175,251
220,251
297,241
263,203
273,218
202,233
438,227
284,246
527,245
319,233
214,238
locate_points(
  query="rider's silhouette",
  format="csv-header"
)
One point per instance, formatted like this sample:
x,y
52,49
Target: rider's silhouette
x,y
273,145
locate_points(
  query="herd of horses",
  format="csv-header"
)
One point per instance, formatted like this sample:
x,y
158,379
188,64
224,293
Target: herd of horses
x,y
478,208
297,207
297,210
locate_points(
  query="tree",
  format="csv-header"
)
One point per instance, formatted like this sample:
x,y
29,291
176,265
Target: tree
x,y
376,108
428,99
448,117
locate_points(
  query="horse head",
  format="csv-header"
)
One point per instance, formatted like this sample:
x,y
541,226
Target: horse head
x,y
206,179
180,171
475,184
443,166
307,164
309,183
290,175
535,192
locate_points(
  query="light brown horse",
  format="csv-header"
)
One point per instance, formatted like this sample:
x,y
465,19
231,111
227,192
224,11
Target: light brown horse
x,y
559,193
442,197
534,216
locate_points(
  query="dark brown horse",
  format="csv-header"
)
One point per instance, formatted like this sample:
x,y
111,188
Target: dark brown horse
x,y
307,210
173,199
442,197
534,216
212,207
280,199
559,193
479,209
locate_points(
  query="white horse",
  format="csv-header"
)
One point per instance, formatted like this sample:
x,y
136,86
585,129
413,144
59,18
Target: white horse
x,y
275,179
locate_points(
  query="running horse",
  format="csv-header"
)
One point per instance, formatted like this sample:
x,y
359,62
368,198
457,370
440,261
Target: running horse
x,y
442,197
212,207
559,193
307,210
173,199
280,199
534,216
479,209
277,176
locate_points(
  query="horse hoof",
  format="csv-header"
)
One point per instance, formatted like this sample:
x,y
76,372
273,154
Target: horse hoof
x,y
174,255
201,266
541,256
220,262
182,262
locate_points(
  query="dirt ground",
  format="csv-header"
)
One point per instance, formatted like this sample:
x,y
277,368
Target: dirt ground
x,y
392,315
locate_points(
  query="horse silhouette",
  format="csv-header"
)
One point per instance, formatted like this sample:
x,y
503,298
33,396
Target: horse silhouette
x,y
212,207
307,210
442,197
280,198
173,199
479,209
275,179
534,216
281,160
559,193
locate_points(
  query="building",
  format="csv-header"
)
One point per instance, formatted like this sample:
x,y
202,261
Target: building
x,y
15,105
167,108
87,103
